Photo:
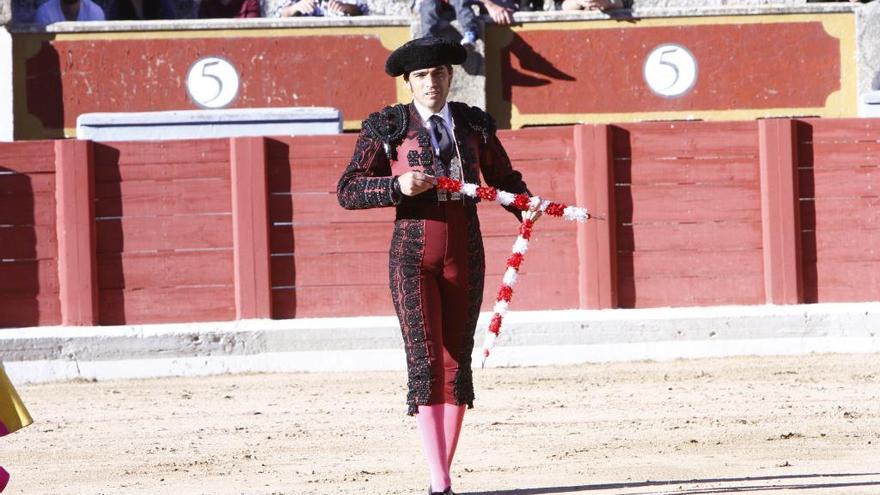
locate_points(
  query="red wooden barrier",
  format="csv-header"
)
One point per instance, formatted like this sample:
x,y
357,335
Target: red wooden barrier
x,y
839,179
164,225
28,240
695,214
325,261
549,275
688,214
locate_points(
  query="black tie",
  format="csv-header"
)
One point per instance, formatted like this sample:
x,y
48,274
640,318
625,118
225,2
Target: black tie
x,y
444,140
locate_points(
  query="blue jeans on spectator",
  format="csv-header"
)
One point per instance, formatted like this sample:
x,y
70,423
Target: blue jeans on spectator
x,y
435,16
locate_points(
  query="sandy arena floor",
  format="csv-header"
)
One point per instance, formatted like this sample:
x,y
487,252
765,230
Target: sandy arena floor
x,y
805,425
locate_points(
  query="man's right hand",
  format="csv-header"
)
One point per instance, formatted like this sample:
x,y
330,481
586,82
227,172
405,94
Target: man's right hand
x,y
343,8
499,14
413,183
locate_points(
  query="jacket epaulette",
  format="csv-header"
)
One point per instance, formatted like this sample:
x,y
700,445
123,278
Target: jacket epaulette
x,y
477,119
389,126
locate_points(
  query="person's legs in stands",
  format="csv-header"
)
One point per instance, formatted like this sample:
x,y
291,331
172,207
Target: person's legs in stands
x,y
470,28
431,19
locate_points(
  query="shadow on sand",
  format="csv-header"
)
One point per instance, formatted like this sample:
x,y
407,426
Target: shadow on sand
x,y
733,485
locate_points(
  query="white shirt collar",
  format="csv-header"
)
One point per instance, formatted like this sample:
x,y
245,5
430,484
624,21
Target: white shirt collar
x,y
444,114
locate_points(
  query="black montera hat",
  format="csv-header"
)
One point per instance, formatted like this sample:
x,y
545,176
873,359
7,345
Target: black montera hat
x,y
422,53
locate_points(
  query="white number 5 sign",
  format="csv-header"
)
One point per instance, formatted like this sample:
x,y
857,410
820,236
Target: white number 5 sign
x,y
212,82
670,70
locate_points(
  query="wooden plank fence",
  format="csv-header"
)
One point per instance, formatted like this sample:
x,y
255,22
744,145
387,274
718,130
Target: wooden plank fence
x,y
694,214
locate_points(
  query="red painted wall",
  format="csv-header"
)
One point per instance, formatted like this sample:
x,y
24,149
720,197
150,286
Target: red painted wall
x,y
540,73
687,200
597,71
61,76
537,73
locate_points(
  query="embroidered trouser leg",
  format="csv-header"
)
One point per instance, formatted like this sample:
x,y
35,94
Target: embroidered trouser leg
x,y
436,284
445,299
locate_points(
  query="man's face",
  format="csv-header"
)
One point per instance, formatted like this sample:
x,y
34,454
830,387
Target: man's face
x,y
430,87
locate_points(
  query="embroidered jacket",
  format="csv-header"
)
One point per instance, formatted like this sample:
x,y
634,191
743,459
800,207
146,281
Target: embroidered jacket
x,y
395,141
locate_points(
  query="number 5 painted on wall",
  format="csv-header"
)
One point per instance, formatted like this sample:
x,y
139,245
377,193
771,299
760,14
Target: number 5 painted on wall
x,y
670,70
670,64
212,82
219,81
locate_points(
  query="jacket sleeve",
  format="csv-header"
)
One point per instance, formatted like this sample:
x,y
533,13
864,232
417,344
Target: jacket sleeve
x,y
367,181
498,171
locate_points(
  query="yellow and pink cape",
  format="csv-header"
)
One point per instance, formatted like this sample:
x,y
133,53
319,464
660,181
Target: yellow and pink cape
x,y
13,415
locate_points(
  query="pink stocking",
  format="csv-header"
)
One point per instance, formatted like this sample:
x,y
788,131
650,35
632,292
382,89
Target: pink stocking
x,y
452,418
429,422
4,479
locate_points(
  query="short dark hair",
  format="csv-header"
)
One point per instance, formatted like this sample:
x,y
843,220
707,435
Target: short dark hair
x,y
406,74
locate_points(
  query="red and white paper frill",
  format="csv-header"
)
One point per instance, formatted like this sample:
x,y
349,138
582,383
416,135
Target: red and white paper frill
x,y
520,246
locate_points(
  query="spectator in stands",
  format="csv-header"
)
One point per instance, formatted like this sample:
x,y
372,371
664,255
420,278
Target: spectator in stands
x,y
140,10
435,15
296,8
225,9
602,5
531,5
68,10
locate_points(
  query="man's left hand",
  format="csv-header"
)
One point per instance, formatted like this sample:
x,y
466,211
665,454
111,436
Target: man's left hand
x,y
534,212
